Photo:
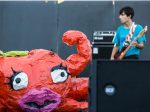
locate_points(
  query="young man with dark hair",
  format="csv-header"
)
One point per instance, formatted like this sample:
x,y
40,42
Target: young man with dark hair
x,y
126,33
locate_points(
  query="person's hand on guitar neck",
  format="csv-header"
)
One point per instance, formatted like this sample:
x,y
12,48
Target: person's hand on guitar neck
x,y
138,45
134,43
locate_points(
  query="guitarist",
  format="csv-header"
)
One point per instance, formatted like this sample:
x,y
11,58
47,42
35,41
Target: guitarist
x,y
126,33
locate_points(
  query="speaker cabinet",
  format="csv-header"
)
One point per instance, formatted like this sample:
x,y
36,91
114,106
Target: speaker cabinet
x,y
120,86
102,51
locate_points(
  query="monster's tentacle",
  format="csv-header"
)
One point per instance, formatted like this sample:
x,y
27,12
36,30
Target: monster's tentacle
x,y
76,63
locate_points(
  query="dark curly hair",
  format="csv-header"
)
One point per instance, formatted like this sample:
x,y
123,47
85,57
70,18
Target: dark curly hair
x,y
128,11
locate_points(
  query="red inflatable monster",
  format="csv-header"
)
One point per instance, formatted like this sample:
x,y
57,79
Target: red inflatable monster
x,y
43,82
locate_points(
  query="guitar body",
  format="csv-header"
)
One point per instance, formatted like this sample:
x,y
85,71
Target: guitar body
x,y
118,56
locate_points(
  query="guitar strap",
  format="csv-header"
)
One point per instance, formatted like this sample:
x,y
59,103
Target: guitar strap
x,y
129,36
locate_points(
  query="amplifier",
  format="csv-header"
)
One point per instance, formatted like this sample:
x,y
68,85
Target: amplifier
x,y
103,37
102,51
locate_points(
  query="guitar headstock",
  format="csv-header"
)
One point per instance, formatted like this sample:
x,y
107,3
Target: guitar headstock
x,y
143,31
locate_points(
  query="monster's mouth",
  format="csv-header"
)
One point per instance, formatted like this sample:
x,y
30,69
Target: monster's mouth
x,y
40,100
37,106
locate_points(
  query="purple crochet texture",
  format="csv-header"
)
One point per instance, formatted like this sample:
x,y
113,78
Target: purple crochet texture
x,y
40,100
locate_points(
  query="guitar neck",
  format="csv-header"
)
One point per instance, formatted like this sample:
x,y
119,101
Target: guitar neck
x,y
126,50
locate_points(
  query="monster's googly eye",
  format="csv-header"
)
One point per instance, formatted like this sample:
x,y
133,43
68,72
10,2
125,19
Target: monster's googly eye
x,y
20,81
59,74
